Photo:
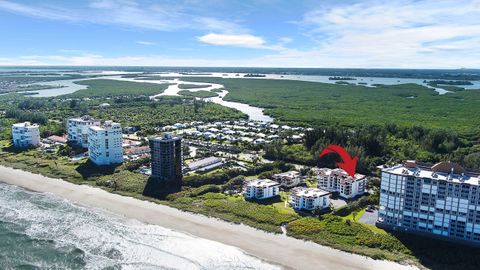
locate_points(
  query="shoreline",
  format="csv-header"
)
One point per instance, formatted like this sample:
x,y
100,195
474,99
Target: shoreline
x,y
280,250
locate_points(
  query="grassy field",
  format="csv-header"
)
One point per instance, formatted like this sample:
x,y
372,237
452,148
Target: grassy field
x,y
320,103
200,94
112,88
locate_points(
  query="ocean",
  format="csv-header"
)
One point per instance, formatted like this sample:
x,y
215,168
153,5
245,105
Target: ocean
x,y
42,231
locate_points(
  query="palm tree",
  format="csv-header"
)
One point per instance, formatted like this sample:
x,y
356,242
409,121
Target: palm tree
x,y
354,215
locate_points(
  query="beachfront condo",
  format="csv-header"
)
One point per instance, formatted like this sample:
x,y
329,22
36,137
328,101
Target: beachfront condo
x,y
77,129
302,198
337,180
25,135
261,189
166,157
289,179
105,143
442,200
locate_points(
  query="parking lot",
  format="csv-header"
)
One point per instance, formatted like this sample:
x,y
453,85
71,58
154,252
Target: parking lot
x,y
369,217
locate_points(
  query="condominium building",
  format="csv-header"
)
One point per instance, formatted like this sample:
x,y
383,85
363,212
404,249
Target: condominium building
x,y
105,143
289,179
25,135
337,180
166,157
302,198
77,130
261,189
442,200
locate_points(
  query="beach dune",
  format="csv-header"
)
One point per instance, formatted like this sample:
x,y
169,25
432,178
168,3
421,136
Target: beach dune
x,y
277,249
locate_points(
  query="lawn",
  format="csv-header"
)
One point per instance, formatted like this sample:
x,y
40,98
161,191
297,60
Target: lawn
x,y
283,206
359,213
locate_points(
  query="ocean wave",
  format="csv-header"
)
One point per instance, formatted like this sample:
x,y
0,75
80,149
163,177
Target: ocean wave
x,y
55,231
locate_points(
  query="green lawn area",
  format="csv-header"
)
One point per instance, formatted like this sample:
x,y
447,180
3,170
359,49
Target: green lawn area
x,y
105,87
283,206
359,214
321,103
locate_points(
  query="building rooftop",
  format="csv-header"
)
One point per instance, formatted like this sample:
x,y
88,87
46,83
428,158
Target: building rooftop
x,y
308,192
83,118
338,172
106,125
262,183
167,136
290,174
204,162
445,171
25,125
60,139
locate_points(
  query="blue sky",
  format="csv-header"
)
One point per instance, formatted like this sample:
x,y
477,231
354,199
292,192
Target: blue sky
x,y
263,33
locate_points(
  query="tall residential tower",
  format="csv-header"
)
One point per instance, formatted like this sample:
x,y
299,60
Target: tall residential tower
x,y
105,143
442,200
166,157
77,129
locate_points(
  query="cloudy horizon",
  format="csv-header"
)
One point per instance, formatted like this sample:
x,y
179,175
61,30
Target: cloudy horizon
x,y
323,34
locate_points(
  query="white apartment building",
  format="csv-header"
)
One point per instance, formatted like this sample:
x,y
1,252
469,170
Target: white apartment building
x,y
302,198
105,143
337,180
77,129
25,135
261,189
289,179
442,200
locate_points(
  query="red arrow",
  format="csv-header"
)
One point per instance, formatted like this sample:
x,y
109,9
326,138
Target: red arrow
x,y
349,164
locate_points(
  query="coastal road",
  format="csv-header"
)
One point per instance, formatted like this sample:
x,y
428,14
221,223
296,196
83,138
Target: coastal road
x,y
278,249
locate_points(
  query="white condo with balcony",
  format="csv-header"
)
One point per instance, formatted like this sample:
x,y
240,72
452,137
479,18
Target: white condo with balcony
x,y
261,189
337,180
25,135
105,143
77,129
302,198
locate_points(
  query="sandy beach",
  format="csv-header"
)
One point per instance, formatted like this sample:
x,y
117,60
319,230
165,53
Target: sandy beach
x,y
278,249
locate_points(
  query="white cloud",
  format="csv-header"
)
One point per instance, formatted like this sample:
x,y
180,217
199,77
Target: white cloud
x,y
394,34
246,41
168,16
147,43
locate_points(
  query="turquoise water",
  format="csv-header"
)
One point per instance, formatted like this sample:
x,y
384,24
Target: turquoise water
x,y
42,231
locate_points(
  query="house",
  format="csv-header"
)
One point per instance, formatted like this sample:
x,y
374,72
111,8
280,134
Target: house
x,y
137,150
302,198
56,139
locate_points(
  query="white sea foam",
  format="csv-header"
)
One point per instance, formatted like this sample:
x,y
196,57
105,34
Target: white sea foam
x,y
108,240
